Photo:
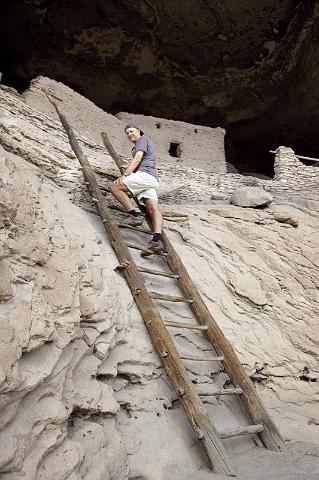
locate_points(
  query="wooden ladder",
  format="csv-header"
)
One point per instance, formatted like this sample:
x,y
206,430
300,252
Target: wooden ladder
x,y
196,413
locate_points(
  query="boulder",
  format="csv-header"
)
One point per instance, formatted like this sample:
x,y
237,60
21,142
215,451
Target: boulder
x,y
251,197
220,199
286,214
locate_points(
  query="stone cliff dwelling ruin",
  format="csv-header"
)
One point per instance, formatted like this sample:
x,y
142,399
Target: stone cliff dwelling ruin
x,y
93,384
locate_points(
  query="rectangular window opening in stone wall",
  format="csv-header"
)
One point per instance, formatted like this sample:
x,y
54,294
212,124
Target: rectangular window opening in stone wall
x,y
175,150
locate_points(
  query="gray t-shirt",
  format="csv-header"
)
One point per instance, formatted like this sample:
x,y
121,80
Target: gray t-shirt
x,y
148,162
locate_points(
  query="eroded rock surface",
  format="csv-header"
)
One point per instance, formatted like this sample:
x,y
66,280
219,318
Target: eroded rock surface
x,y
84,395
48,365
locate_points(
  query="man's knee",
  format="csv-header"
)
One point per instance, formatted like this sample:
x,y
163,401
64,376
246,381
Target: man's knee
x,y
113,188
152,207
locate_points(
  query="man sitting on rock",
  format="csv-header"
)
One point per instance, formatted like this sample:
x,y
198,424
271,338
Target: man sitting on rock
x,y
141,179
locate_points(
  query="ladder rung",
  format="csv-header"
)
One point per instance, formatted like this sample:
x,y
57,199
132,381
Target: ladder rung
x,y
131,227
157,272
170,298
191,326
202,359
227,391
145,250
235,432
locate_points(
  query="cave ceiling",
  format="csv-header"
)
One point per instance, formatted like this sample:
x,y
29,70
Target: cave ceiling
x,y
250,66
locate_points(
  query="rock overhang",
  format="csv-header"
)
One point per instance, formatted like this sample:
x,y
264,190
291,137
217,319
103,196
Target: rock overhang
x,y
248,67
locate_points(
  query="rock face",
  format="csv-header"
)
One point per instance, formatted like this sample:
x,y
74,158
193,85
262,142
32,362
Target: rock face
x,y
84,395
49,270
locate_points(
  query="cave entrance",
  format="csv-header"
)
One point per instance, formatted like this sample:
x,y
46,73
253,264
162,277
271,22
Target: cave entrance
x,y
250,156
248,143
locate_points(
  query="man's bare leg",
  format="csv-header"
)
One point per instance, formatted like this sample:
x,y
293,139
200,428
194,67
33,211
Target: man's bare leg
x,y
120,193
156,244
155,214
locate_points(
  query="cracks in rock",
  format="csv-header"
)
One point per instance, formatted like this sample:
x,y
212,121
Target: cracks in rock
x,y
133,376
170,406
307,376
199,336
93,416
263,375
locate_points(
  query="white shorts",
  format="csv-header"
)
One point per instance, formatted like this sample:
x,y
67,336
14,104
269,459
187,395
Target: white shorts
x,y
142,185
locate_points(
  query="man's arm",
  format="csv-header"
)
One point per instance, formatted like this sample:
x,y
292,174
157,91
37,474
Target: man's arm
x,y
128,169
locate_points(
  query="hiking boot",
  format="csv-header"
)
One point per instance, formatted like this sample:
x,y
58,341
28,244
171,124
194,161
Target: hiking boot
x,y
156,247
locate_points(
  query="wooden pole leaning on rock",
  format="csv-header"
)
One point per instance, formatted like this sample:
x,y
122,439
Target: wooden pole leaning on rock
x,y
299,156
175,369
117,159
250,399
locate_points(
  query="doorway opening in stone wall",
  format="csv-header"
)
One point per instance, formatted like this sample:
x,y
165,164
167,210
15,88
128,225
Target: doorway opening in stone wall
x,y
175,149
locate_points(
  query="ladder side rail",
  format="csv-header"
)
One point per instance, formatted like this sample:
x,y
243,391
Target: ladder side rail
x,y
175,369
252,402
250,399
117,159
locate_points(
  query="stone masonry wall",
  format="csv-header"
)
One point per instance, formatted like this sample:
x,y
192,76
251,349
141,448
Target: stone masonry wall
x,y
290,170
196,146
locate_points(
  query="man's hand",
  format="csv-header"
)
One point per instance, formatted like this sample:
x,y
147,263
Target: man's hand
x,y
130,167
118,181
